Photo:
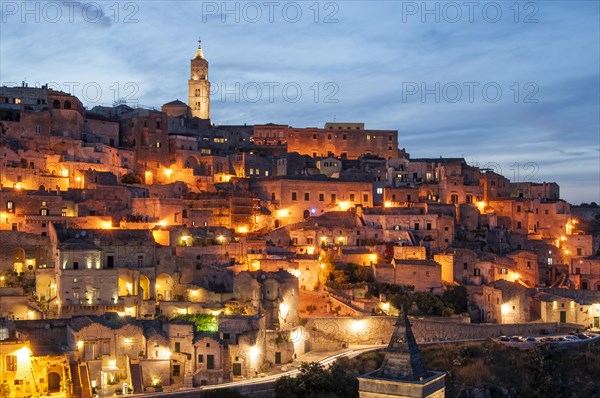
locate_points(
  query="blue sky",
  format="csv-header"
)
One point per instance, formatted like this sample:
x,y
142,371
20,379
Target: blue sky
x,y
512,87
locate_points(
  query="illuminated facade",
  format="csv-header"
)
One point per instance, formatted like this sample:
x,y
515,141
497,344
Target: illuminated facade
x,y
199,86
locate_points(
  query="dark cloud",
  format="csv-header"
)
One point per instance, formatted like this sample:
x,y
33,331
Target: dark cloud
x,y
370,54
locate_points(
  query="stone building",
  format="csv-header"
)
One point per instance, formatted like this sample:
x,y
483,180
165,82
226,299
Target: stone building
x,y
25,371
554,308
109,270
344,140
534,190
145,132
105,348
295,198
585,272
275,294
511,305
494,185
434,231
424,275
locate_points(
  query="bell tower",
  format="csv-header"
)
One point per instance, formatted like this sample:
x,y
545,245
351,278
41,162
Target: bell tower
x,y
199,86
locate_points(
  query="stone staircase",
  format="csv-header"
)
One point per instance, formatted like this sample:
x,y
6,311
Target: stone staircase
x,y
84,376
75,380
135,370
226,364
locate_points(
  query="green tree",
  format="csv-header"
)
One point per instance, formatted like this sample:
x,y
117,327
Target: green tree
x,y
314,381
456,297
204,322
542,375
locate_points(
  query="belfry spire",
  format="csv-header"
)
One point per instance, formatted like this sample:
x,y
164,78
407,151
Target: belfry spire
x,y
402,373
402,358
199,53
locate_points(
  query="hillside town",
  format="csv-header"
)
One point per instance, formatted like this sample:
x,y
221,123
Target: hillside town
x,y
146,250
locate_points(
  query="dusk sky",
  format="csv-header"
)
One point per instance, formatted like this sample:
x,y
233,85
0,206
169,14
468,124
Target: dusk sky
x,y
511,87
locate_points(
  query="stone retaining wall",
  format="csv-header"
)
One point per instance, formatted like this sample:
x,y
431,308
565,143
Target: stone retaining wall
x,y
328,333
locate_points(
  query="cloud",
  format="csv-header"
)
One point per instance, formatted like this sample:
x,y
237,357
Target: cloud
x,y
370,54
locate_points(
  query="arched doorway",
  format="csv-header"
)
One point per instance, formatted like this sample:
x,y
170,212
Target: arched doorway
x,y
19,260
192,163
53,382
164,287
330,150
59,148
585,285
145,287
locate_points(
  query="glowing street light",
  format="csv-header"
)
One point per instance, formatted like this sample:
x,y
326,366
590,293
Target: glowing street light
x,y
284,310
481,206
253,353
385,307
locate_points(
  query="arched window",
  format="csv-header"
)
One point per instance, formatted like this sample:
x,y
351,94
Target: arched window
x,y
67,104
56,104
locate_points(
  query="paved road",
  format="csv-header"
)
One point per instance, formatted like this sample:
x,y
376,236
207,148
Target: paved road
x,y
324,358
328,360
